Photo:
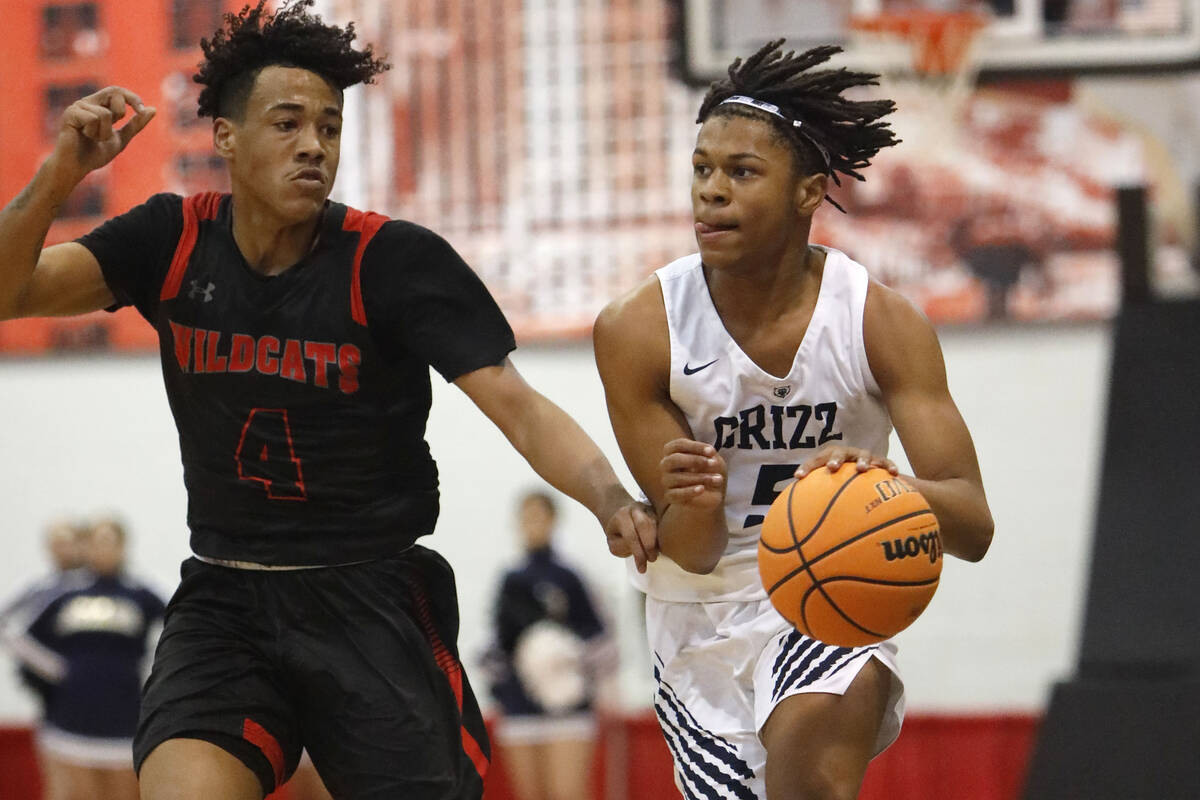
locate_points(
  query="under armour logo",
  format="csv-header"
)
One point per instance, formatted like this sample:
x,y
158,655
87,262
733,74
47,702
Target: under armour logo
x,y
196,290
781,391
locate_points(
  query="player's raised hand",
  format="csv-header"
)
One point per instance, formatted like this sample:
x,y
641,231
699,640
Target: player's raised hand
x,y
693,473
633,531
833,456
88,136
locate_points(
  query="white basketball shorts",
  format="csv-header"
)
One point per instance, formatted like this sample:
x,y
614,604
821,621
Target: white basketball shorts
x,y
721,669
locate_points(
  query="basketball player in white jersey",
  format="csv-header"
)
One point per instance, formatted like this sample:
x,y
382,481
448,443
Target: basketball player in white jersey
x,y
731,370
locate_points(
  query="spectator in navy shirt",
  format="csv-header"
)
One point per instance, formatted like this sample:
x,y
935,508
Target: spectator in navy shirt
x,y
549,654
88,646
64,539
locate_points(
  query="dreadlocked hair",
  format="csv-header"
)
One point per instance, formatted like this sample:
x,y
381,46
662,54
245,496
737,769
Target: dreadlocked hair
x,y
836,135
291,37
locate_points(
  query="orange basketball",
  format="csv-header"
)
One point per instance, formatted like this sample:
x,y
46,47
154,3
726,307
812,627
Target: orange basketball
x,y
848,557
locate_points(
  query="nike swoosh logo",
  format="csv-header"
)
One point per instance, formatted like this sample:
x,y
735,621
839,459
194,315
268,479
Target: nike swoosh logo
x,y
688,370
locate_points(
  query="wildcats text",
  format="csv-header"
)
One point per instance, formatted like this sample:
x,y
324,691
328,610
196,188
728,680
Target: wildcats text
x,y
321,364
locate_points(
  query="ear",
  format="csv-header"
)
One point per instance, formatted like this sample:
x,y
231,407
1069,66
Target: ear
x,y
810,193
224,137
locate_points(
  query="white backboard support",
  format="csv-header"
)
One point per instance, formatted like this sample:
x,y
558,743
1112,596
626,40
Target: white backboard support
x,y
1023,38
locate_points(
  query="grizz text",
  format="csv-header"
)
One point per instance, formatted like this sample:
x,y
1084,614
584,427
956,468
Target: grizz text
x,y
777,427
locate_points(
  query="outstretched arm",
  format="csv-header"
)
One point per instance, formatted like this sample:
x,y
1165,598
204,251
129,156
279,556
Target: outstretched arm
x,y
684,478
64,279
561,453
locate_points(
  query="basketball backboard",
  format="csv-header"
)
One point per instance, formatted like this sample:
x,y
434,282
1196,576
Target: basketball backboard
x,y
1022,38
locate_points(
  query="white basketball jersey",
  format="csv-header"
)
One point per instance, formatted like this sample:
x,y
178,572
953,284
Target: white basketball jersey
x,y
764,426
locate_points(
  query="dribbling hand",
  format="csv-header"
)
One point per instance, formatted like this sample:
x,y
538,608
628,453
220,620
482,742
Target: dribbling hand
x,y
833,456
87,139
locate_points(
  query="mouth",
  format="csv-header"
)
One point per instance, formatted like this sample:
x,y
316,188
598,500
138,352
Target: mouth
x,y
310,176
712,229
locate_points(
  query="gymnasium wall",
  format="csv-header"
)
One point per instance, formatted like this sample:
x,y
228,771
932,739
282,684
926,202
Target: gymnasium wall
x,y
81,436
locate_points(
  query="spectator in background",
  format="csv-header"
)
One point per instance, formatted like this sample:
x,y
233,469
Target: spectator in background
x,y
65,543
549,658
64,540
87,646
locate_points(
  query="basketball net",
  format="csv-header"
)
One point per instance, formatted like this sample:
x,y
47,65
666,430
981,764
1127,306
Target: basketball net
x,y
927,64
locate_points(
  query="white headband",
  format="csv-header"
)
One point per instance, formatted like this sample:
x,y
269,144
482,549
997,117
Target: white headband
x,y
770,108
773,110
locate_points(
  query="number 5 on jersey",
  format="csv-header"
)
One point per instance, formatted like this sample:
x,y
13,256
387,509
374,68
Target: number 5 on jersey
x,y
265,454
772,478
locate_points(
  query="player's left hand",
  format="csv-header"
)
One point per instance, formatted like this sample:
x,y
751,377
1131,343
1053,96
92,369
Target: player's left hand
x,y
633,531
693,473
833,456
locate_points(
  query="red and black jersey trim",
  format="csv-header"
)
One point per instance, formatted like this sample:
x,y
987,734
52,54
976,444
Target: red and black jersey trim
x,y
196,209
367,224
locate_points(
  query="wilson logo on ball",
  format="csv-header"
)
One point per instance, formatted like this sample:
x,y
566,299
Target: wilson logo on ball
x,y
928,543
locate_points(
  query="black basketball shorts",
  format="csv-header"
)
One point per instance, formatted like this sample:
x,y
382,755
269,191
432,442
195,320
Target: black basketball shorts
x,y
357,663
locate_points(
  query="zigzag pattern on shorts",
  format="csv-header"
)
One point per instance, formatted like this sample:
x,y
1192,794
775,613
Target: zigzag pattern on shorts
x,y
803,661
708,766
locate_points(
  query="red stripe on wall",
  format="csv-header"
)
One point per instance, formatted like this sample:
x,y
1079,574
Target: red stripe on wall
x,y
937,757
954,757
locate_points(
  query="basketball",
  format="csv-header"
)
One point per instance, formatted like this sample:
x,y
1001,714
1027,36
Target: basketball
x,y
850,558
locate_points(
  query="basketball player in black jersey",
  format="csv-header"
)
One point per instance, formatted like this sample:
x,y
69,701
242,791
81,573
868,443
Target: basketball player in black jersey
x,y
296,339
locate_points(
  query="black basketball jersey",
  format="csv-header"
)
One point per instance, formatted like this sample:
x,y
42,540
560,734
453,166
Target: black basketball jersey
x,y
301,399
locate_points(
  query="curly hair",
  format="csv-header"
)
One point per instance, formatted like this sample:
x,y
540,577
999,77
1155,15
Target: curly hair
x,y
255,38
836,134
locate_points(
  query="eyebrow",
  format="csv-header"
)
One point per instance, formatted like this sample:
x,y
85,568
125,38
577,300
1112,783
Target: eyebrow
x,y
699,151
331,111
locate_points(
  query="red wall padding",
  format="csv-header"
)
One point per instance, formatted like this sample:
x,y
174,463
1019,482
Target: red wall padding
x,y
18,770
954,758
937,757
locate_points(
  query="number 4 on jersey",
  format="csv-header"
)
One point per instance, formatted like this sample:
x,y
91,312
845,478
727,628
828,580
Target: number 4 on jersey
x,y
265,454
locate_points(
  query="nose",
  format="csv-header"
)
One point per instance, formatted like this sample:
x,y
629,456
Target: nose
x,y
308,144
714,189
